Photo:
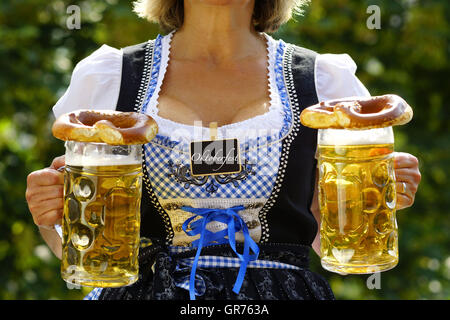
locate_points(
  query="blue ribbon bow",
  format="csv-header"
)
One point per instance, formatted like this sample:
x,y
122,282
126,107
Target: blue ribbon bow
x,y
235,224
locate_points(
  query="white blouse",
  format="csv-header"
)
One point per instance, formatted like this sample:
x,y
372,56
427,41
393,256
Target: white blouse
x,y
95,84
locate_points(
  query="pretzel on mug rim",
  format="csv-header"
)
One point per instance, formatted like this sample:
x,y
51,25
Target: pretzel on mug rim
x,y
105,126
358,113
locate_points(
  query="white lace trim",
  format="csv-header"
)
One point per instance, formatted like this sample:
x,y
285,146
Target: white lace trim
x,y
267,123
152,108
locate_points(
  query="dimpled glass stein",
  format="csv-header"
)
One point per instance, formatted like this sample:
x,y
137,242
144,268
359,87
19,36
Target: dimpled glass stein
x,y
357,199
101,220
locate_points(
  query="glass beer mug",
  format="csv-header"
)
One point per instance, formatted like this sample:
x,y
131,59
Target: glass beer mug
x,y
101,220
357,200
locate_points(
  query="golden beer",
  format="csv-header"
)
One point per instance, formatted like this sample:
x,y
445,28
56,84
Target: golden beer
x,y
101,220
357,200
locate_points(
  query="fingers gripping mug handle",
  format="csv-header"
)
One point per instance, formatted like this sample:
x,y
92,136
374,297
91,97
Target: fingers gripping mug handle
x,y
56,227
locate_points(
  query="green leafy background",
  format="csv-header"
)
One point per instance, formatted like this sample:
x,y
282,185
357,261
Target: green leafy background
x,y
408,56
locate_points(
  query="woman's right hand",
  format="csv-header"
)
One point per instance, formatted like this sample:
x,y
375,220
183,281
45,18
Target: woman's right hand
x,y
44,194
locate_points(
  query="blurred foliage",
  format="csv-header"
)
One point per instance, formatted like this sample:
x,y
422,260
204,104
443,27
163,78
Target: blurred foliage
x,y
409,56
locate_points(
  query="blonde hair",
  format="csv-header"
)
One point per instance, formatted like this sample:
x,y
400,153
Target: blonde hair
x,y
268,15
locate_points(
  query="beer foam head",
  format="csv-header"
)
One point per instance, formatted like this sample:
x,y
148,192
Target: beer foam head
x,y
355,137
98,154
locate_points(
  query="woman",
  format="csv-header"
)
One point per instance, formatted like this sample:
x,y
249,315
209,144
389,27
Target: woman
x,y
218,64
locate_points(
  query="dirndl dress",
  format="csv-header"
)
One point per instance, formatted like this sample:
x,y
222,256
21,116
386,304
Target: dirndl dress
x,y
237,236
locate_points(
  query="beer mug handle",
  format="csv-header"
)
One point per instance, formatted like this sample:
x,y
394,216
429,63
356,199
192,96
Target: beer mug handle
x,y
61,169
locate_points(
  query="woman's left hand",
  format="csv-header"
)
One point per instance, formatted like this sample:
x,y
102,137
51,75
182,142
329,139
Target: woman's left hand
x,y
407,174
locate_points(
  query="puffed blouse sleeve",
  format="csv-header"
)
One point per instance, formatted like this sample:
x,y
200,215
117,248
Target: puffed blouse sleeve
x,y
95,82
335,77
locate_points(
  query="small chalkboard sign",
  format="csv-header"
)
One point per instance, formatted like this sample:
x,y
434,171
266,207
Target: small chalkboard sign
x,y
215,157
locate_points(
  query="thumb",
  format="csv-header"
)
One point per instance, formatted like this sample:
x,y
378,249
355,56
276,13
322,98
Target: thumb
x,y
58,162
